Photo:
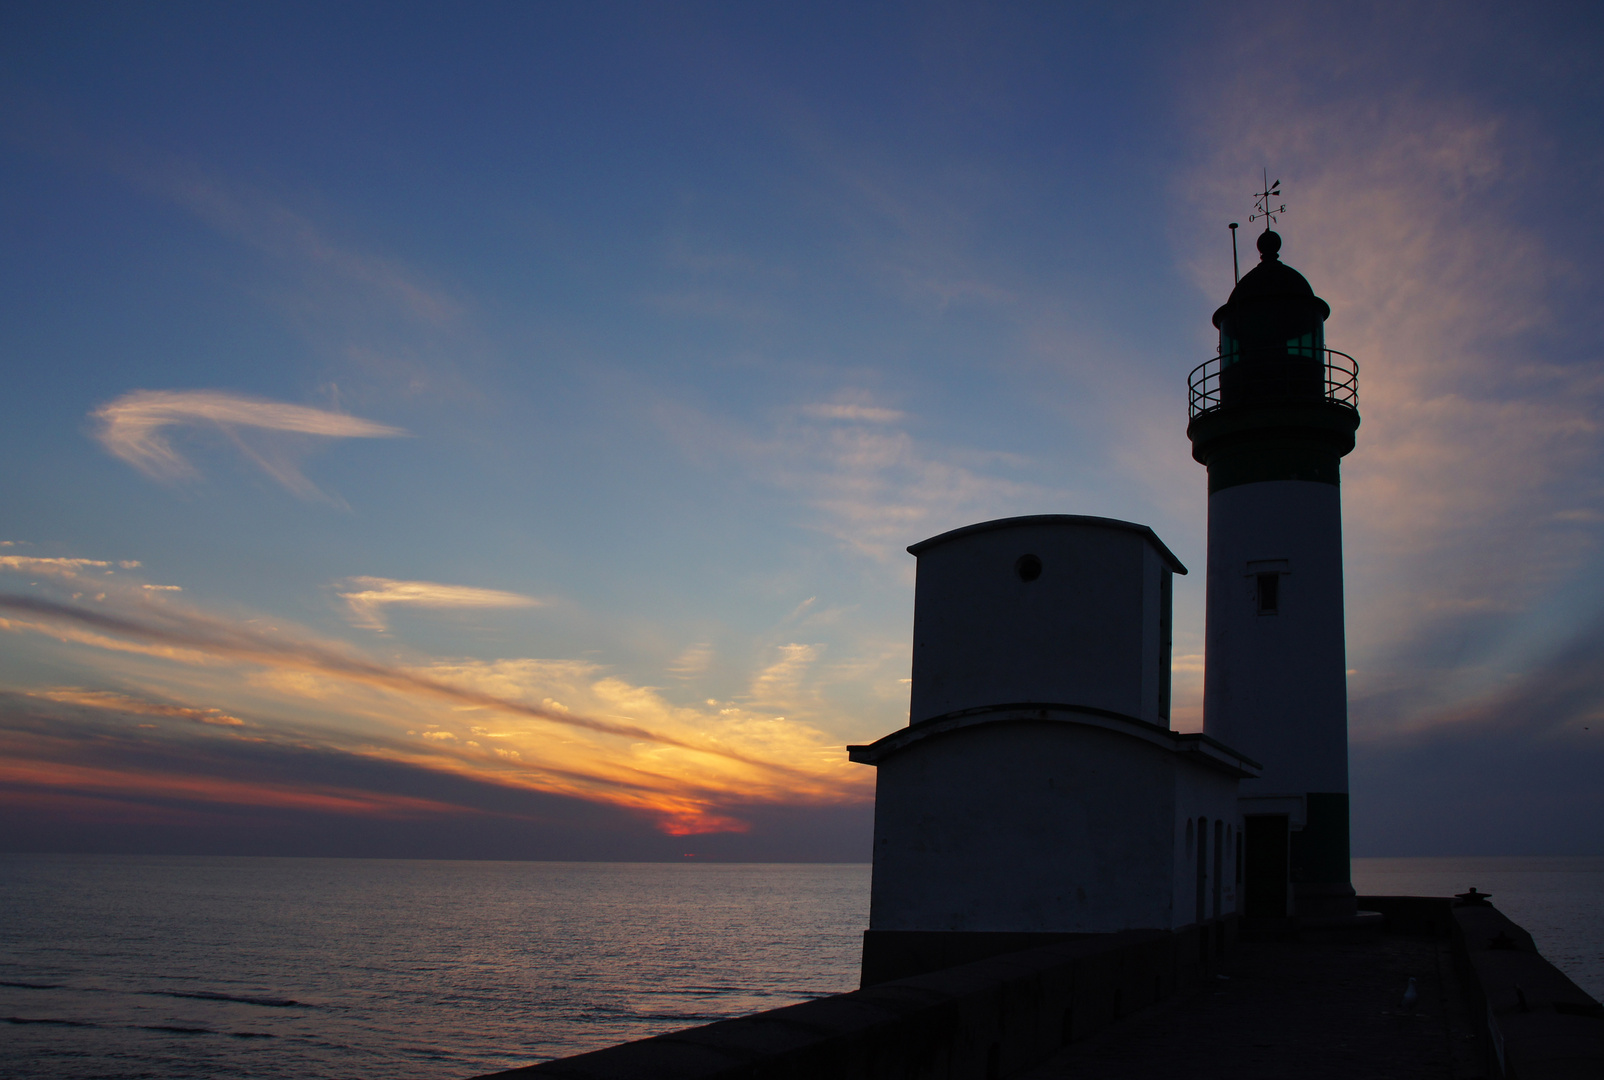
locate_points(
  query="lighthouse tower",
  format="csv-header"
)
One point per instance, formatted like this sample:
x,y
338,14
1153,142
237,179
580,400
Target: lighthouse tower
x,y
1272,417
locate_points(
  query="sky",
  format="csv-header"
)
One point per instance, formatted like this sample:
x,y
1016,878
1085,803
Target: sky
x,y
496,430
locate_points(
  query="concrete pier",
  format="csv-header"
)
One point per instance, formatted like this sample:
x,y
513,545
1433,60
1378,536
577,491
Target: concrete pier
x,y
1165,1003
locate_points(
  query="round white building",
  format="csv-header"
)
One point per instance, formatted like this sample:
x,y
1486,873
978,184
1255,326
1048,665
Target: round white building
x,y
1038,790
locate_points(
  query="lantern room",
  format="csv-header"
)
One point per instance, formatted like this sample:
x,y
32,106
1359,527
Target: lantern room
x,y
1272,334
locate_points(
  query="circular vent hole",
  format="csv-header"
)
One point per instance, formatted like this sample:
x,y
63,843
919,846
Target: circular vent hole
x,y
1028,568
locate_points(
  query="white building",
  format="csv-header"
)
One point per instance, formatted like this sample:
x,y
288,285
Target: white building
x,y
1038,788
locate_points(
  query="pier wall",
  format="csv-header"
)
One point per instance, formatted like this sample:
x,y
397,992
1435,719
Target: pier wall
x,y
984,1019
1531,1020
1535,1022
1001,1015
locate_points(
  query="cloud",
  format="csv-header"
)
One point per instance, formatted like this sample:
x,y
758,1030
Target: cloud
x,y
265,223
1514,769
205,635
868,414
695,660
568,727
106,699
778,684
1563,690
77,779
876,487
371,595
64,569
135,428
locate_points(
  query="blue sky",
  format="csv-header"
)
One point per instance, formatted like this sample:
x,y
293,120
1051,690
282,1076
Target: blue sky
x,y
497,430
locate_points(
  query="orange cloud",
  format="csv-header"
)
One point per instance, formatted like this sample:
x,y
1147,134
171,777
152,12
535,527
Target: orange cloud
x,y
190,631
168,785
105,699
679,766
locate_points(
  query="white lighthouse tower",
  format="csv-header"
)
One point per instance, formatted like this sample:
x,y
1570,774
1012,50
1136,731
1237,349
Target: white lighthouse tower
x,y
1271,417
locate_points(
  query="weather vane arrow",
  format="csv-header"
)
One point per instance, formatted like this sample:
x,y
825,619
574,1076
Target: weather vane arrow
x,y
1263,204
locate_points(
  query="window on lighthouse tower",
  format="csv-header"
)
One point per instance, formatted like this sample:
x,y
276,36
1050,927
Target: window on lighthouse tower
x,y
1269,593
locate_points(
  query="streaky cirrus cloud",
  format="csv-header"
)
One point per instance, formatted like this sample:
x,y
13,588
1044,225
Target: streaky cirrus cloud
x,y
189,630
370,596
875,486
871,414
695,660
138,426
566,728
66,569
267,224
108,699
88,776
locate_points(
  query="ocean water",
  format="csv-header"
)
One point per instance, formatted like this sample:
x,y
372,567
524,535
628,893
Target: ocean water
x,y
220,967
330,968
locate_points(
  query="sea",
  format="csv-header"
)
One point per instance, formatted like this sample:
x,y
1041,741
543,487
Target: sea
x,y
128,966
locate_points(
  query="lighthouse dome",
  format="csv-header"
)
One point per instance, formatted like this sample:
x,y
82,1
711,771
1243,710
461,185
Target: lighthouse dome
x,y
1272,318
1270,281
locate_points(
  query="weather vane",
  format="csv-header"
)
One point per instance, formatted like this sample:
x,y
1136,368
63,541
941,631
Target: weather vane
x,y
1263,207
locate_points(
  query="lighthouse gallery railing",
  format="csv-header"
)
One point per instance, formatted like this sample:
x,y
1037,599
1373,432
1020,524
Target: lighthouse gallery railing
x,y
1278,380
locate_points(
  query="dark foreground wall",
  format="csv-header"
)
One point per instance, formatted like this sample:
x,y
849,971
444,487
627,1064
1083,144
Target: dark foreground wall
x,y
1538,1024
1535,1023
984,1019
994,1017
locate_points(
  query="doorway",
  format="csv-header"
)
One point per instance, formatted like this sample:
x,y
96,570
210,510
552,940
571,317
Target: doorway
x,y
1264,890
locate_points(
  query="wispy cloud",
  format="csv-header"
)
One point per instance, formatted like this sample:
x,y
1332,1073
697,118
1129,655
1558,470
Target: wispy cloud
x,y
66,569
32,763
877,486
137,428
266,223
777,685
370,596
870,414
191,630
70,772
107,699
695,660
562,727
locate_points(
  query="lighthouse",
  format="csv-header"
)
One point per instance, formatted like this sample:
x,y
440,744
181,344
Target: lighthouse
x,y
1271,417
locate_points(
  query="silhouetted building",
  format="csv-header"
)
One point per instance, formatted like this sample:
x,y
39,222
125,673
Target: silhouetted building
x,y
1271,417
1038,790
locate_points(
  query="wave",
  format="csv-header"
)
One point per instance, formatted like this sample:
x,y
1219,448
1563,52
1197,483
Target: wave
x,y
47,1020
175,1030
243,999
198,995
178,1030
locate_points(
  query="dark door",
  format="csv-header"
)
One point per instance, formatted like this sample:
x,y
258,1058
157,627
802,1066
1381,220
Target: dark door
x,y
1264,890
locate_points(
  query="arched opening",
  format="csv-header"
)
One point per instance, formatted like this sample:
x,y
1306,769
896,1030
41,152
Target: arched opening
x,y
1219,864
